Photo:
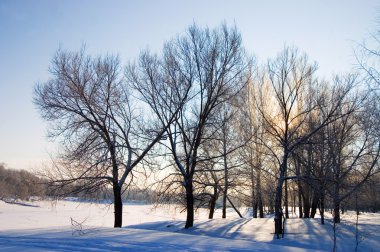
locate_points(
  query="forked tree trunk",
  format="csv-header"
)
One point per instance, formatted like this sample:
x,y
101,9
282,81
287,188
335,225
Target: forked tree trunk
x,y
189,204
118,206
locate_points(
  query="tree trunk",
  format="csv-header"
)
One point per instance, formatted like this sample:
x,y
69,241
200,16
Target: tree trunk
x,y
298,172
212,204
225,191
336,201
306,201
286,202
254,209
307,187
189,204
278,210
278,215
233,206
300,210
336,212
224,209
261,208
258,196
253,195
293,202
271,207
322,208
277,205
314,204
118,206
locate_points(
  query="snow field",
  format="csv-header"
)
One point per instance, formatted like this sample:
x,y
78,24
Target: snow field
x,y
46,226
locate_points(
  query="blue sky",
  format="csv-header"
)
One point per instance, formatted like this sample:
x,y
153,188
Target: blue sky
x,y
31,32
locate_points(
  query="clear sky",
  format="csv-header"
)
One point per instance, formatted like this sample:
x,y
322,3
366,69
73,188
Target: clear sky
x,y
31,32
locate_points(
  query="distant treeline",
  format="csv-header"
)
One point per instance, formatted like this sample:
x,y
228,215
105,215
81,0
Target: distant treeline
x,y
24,185
20,184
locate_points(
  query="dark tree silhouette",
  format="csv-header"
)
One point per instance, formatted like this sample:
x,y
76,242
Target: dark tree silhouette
x,y
92,114
207,66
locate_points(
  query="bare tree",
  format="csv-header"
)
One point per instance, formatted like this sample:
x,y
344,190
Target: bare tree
x,y
227,141
295,95
353,148
92,114
209,66
367,56
208,179
255,151
288,78
217,159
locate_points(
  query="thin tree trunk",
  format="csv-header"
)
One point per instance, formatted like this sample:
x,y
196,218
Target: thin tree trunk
x,y
336,202
118,206
300,210
322,208
298,173
225,191
334,230
253,195
189,204
259,198
357,237
306,202
286,202
293,202
233,206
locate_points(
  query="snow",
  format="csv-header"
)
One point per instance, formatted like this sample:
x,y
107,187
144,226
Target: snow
x,y
46,226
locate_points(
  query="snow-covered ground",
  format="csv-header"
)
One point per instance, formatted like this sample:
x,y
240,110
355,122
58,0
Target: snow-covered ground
x,y
53,226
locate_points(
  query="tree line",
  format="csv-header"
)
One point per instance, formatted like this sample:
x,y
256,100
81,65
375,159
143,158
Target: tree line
x,y
216,125
20,184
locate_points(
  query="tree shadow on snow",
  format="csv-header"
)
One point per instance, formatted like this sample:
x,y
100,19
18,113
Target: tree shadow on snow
x,y
222,228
